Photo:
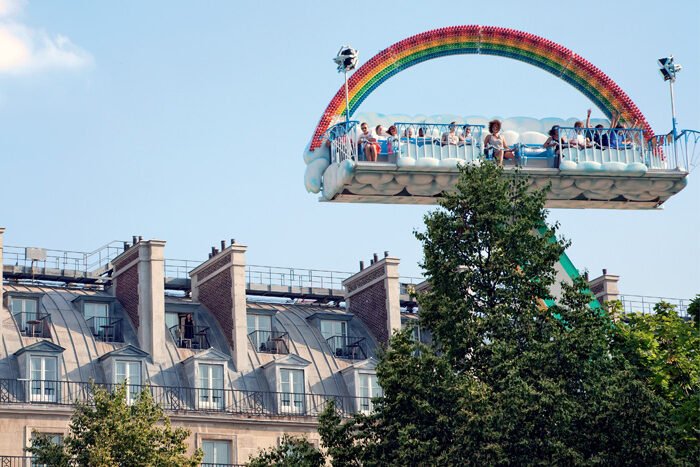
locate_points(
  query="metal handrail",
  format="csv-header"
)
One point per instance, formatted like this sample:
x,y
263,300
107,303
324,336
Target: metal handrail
x,y
81,261
190,337
106,329
33,324
645,304
351,347
182,399
275,342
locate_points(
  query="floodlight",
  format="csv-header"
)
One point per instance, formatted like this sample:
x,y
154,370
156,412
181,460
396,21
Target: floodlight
x,y
668,69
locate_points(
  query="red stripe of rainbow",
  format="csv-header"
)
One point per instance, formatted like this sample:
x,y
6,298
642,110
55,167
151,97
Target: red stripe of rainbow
x,y
486,40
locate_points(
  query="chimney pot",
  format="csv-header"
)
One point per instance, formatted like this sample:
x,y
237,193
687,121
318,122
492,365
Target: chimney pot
x,y
605,271
376,258
213,251
386,254
126,246
362,265
223,245
133,239
233,241
140,238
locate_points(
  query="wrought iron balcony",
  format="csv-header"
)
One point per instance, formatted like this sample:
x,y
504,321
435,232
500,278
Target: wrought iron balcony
x,y
190,337
106,329
183,399
33,324
270,341
347,347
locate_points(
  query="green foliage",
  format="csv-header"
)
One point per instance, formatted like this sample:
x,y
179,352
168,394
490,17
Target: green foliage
x,y
292,452
665,350
506,380
112,432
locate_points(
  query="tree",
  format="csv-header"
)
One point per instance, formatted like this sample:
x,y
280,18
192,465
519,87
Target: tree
x,y
292,452
112,432
507,379
665,350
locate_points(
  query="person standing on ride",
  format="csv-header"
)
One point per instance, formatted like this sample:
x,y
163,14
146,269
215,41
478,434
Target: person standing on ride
x,y
368,143
495,144
450,137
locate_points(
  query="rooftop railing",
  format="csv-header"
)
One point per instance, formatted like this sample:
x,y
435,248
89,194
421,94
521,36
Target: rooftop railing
x,y
95,262
274,342
295,277
183,399
645,304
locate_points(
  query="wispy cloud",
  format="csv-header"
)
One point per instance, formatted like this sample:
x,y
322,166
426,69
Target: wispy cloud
x,y
24,49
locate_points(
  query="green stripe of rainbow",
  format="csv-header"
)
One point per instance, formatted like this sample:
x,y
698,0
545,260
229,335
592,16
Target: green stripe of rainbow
x,y
485,40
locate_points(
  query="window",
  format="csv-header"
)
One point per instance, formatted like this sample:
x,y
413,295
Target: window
x,y
333,328
369,388
171,319
292,390
216,453
130,372
211,386
259,329
24,309
54,438
43,374
95,310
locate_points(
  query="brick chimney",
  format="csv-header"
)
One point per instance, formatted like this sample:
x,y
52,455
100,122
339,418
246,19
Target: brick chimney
x,y
2,233
605,287
219,284
373,296
138,282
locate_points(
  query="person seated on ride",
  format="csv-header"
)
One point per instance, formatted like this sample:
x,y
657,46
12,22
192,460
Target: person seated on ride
x,y
600,137
382,139
392,139
368,143
408,133
495,144
618,139
450,137
556,141
466,136
582,138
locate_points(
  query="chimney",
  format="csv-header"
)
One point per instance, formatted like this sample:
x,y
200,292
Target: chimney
x,y
2,233
373,296
138,282
604,287
219,284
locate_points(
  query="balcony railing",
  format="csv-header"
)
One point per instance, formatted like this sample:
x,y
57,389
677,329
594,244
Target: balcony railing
x,y
347,347
33,324
183,399
270,341
106,329
190,337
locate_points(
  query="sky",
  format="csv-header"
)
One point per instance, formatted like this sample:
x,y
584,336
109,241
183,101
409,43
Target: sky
x,y
186,122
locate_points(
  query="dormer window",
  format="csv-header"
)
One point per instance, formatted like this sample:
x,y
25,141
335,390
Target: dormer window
x,y
185,331
369,389
210,390
26,311
39,367
263,338
99,316
361,380
43,379
287,376
291,390
330,329
128,371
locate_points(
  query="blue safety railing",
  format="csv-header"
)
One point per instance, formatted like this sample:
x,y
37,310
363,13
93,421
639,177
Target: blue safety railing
x,y
440,141
582,149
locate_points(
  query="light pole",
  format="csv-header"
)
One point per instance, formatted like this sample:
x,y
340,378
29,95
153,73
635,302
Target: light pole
x,y
668,71
347,61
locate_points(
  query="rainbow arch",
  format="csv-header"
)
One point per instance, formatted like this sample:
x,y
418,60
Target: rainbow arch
x,y
483,40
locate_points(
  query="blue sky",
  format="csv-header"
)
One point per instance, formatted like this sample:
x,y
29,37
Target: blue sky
x,y
186,121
